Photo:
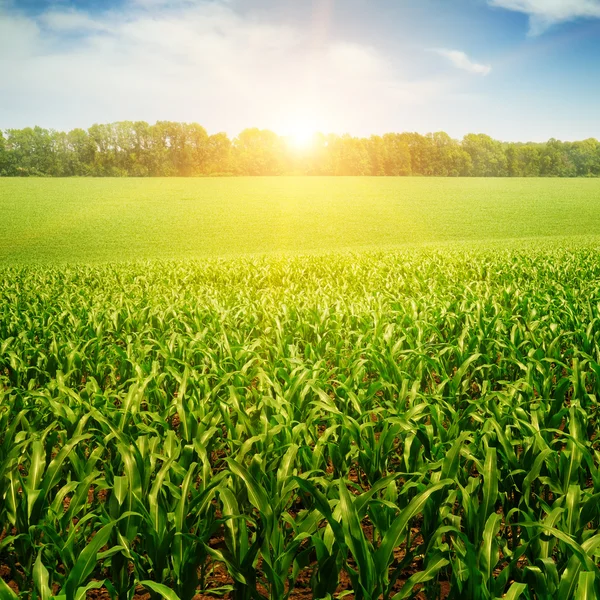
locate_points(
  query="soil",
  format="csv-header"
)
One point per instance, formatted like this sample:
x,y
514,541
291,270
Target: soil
x,y
219,578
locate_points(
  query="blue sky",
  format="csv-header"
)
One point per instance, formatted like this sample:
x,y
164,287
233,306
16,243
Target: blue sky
x,y
516,69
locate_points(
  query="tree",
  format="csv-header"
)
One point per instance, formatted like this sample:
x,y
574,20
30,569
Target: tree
x,y
258,152
448,158
195,151
32,151
487,155
170,148
377,157
420,153
348,155
397,157
585,156
218,157
555,160
4,157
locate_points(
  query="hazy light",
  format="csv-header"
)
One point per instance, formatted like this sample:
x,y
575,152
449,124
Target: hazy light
x,y
300,134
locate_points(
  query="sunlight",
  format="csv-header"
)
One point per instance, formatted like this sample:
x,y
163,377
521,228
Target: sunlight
x,y
301,134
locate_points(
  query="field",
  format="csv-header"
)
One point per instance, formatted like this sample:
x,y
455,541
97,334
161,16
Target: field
x,y
99,220
317,418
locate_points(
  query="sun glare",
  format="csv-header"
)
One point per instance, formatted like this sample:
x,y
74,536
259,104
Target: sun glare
x,y
301,135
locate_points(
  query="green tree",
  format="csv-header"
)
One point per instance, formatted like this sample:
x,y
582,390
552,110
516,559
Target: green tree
x,y
447,157
81,151
555,160
421,151
585,156
488,157
523,160
397,157
349,155
194,159
170,148
4,157
218,155
258,152
32,151
376,147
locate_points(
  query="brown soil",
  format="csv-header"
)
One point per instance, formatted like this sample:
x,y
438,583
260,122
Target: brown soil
x,y
220,578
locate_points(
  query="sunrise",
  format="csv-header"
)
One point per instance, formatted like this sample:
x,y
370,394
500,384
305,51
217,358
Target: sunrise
x,y
299,299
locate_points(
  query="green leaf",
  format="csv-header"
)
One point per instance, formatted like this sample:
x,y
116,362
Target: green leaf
x,y
86,562
355,539
41,578
515,591
488,555
323,506
37,465
586,586
434,566
120,488
256,494
92,585
490,486
6,592
159,588
391,540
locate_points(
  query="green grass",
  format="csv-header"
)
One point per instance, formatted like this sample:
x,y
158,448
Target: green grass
x,y
324,413
91,220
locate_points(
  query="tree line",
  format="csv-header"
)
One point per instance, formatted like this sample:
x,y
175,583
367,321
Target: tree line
x,y
168,148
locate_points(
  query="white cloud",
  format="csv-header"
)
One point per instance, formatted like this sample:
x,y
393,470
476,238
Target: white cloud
x,y
17,37
186,61
461,61
545,13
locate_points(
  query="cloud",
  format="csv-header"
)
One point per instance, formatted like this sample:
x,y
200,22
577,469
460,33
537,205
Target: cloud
x,y
69,20
461,61
545,13
19,37
192,61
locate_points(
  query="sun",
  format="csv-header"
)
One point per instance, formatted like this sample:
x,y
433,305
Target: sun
x,y
301,135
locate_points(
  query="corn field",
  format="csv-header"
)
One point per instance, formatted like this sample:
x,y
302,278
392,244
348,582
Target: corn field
x,y
410,424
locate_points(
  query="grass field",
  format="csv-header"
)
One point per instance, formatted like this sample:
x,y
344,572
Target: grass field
x,y
411,422
83,220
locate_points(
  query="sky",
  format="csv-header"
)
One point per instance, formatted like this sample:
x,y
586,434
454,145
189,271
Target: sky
x,y
518,70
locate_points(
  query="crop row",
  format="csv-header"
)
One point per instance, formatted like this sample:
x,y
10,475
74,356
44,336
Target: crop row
x,y
387,425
